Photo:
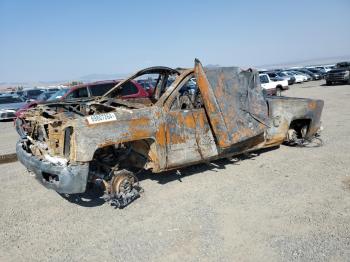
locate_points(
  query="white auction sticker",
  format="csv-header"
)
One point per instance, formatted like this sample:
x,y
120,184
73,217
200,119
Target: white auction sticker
x,y
95,119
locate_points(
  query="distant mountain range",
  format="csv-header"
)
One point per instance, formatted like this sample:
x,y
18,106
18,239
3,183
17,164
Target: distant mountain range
x,y
308,62
96,77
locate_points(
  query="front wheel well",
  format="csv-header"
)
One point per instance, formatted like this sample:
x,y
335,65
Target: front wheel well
x,y
133,155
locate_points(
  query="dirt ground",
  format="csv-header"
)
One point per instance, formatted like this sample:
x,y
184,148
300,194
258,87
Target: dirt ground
x,y
8,137
287,204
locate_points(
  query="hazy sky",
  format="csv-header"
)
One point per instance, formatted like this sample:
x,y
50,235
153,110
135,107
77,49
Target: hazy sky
x,y
54,40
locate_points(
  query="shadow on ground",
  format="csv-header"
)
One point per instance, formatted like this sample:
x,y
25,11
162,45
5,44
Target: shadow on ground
x,y
215,166
91,198
6,120
335,84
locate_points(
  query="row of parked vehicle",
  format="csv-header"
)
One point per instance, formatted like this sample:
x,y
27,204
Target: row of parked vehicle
x,y
277,80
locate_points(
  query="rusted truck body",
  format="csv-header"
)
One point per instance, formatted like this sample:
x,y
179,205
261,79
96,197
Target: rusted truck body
x,y
107,139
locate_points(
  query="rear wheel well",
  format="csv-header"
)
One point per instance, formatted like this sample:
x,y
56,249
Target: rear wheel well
x,y
301,126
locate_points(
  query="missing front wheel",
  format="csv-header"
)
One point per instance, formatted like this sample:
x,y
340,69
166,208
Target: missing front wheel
x,y
122,189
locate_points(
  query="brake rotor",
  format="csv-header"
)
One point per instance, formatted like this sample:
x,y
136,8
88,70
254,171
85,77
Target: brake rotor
x,y
123,183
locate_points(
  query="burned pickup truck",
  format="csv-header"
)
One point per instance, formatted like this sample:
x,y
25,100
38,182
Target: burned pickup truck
x,y
193,116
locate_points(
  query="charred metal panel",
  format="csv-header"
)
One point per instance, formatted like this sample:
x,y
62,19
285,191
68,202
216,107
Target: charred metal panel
x,y
204,135
69,179
283,110
189,138
129,125
234,103
181,138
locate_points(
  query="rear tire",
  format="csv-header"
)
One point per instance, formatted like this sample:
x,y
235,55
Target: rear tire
x,y
328,83
279,91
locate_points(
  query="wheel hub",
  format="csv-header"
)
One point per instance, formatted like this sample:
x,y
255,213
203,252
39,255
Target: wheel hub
x,y
123,189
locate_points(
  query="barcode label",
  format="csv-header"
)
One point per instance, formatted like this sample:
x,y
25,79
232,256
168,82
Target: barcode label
x,y
94,119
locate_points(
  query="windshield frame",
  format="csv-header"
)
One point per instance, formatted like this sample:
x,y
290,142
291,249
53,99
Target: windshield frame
x,y
161,70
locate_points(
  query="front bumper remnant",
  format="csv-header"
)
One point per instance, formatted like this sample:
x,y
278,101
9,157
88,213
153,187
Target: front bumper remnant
x,y
66,179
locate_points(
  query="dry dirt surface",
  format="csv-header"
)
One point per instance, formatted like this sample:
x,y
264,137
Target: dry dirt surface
x,y
288,204
8,138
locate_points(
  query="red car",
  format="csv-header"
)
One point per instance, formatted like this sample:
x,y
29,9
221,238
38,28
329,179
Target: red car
x,y
131,89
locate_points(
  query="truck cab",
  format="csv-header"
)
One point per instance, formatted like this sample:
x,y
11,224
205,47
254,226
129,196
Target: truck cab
x,y
340,74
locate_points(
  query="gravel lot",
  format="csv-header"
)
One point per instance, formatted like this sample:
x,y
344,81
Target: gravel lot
x,y
8,138
288,204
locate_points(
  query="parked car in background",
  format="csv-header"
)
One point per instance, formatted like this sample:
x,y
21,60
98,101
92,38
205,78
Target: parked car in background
x,y
19,93
299,78
9,104
308,77
272,87
273,75
88,90
326,69
341,74
298,72
132,90
289,78
44,96
32,94
320,72
314,76
277,76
